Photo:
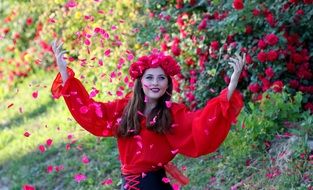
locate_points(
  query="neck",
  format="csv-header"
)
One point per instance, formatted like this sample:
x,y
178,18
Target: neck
x,y
149,106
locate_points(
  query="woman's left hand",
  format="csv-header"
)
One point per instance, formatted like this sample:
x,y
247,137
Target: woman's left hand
x,y
237,63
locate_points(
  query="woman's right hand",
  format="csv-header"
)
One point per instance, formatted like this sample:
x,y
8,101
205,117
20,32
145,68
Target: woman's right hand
x,y
59,53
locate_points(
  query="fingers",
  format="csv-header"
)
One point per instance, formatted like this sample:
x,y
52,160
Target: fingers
x,y
239,61
60,46
243,58
61,54
57,45
233,59
53,45
233,65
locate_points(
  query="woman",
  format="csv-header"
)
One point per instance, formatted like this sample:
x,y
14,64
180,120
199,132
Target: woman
x,y
149,128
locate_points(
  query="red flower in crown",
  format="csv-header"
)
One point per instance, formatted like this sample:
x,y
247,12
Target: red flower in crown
x,y
156,59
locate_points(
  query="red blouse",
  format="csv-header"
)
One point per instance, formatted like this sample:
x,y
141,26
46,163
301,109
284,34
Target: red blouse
x,y
194,133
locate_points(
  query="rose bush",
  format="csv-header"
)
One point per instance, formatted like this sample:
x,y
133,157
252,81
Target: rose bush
x,y
275,35
98,35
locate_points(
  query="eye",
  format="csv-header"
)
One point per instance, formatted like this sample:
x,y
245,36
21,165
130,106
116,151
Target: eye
x,y
162,78
149,77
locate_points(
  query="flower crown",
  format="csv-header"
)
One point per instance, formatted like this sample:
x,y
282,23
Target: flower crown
x,y
155,59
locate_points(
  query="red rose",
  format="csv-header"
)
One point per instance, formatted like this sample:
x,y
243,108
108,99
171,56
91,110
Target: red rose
x,y
300,12
254,87
245,74
176,40
175,49
294,84
297,58
255,12
278,86
271,39
238,4
29,21
266,84
16,35
192,2
203,24
272,55
214,45
271,20
249,29
291,67
269,72
163,46
261,44
304,71
189,61
179,4
230,39
293,38
6,30
307,1
309,106
248,58
262,56
180,21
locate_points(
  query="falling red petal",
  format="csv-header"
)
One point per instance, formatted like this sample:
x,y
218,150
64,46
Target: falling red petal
x,y
35,94
49,142
26,134
108,181
42,148
28,187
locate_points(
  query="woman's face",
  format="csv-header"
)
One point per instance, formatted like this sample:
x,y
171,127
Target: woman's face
x,y
154,83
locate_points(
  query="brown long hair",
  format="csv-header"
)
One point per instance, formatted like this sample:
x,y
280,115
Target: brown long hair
x,y
132,115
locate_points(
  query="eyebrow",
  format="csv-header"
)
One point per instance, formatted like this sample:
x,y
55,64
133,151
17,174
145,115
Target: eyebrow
x,y
152,75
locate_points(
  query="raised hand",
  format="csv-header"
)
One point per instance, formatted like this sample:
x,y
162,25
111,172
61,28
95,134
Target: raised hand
x,y
59,53
237,63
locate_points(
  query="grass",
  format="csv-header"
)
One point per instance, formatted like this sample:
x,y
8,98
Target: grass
x,y
44,118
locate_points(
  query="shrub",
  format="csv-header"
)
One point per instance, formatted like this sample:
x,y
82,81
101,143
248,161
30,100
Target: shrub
x,y
202,35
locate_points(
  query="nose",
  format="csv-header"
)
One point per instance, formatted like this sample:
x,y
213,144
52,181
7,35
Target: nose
x,y
155,81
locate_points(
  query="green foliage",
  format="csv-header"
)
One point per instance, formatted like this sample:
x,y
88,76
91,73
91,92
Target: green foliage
x,y
263,121
260,139
235,31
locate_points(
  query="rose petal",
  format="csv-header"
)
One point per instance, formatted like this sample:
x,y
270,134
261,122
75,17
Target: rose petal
x,y
168,104
119,93
83,109
166,180
107,52
28,187
80,177
85,159
26,134
35,94
87,42
108,181
42,148
49,169
174,151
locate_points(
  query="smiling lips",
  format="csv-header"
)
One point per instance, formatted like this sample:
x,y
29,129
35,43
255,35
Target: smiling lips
x,y
155,90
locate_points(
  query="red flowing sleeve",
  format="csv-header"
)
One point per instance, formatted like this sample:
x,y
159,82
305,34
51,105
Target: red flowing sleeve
x,y
202,132
100,119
